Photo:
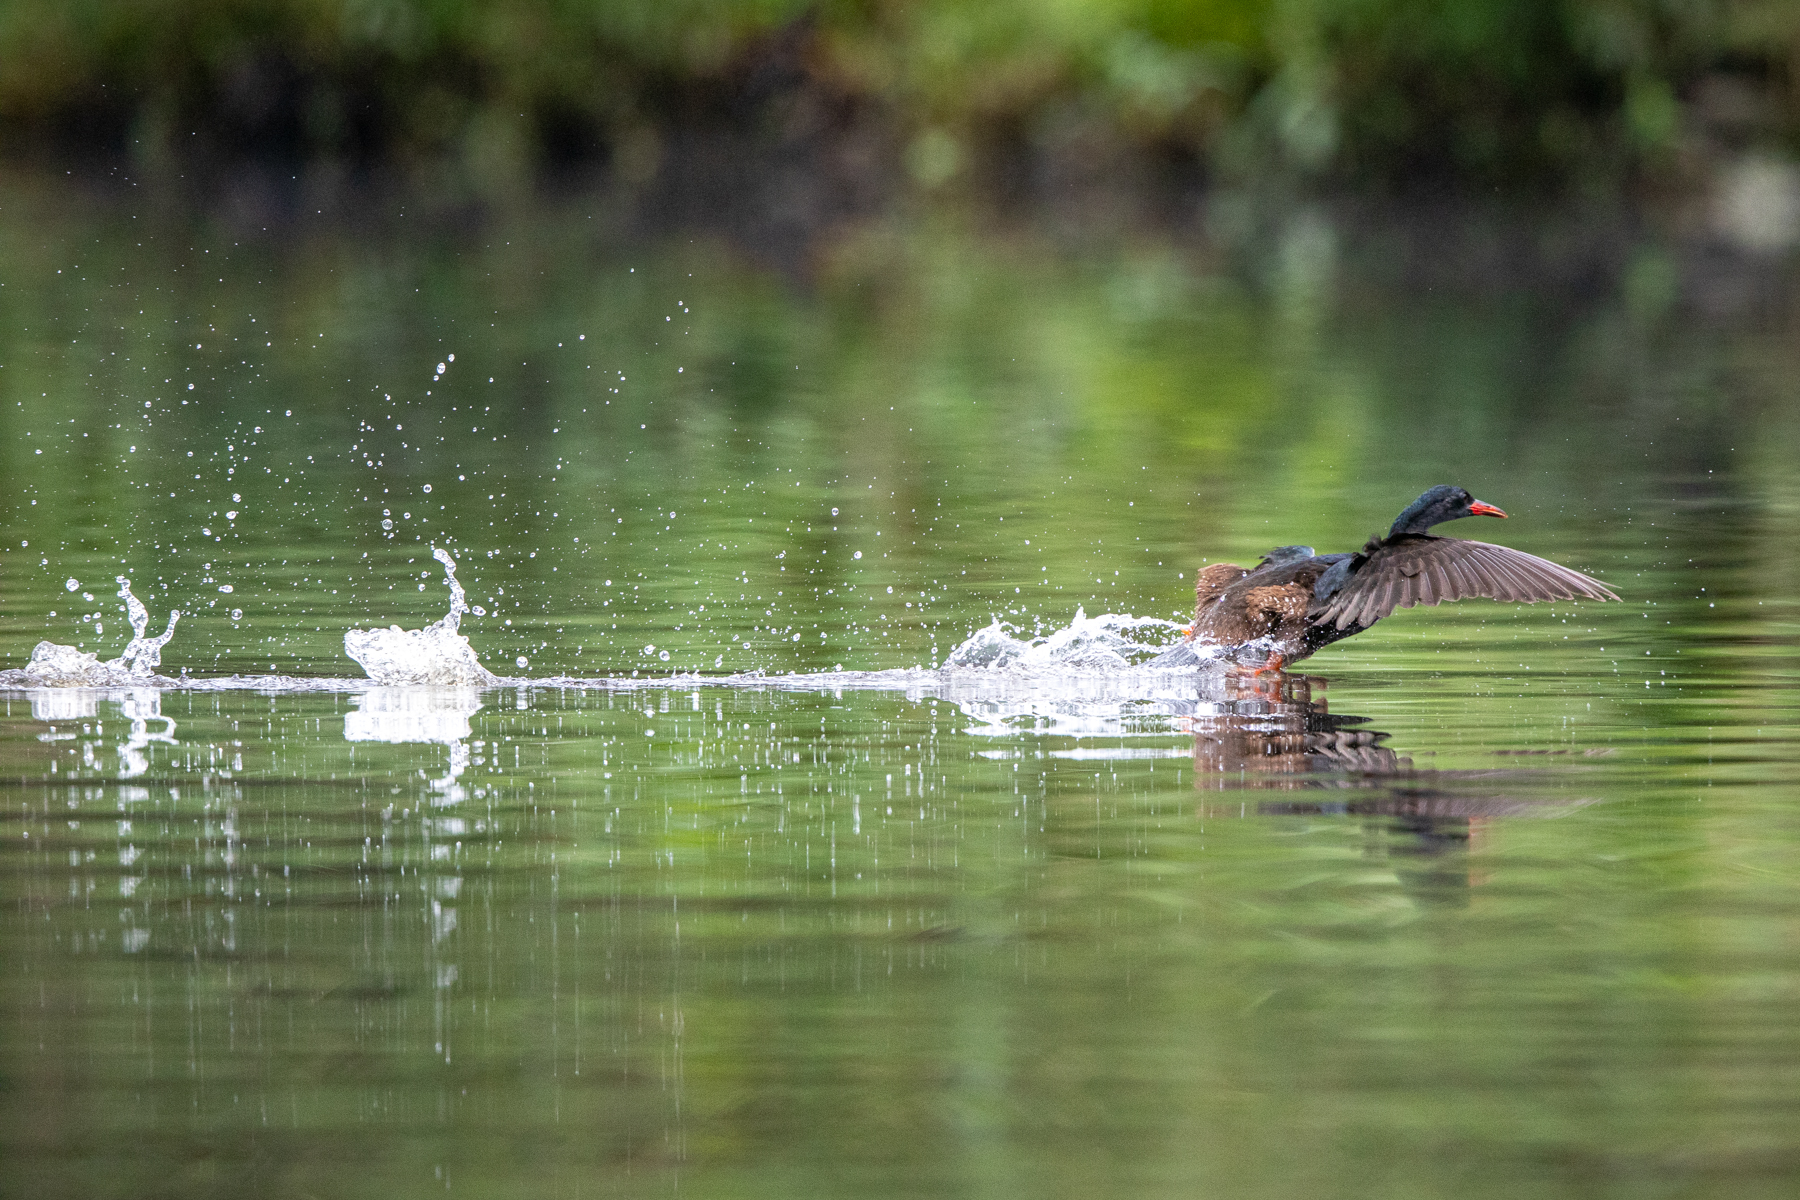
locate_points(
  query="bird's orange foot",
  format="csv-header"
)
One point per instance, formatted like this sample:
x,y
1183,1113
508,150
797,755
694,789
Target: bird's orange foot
x,y
1272,667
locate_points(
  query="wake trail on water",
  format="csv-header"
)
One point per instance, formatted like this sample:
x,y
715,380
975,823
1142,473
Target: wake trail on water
x,y
1092,663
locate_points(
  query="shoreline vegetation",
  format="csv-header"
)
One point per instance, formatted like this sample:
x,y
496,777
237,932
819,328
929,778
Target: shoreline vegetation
x,y
1608,97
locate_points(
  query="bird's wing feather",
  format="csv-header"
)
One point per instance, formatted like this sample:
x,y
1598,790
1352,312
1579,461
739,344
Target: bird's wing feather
x,y
1282,602
1431,570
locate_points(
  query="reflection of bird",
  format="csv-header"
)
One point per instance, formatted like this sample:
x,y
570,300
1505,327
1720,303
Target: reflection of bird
x,y
1290,742
1295,602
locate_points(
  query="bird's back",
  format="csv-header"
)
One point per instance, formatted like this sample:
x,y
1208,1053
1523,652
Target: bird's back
x,y
1268,604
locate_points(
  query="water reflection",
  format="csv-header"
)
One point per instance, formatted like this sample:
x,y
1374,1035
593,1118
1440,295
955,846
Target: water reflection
x,y
62,704
1281,737
412,714
642,912
1250,735
419,714
397,715
140,707
1423,823
1285,739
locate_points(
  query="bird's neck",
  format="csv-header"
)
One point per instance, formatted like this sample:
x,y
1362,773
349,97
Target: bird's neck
x,y
1415,520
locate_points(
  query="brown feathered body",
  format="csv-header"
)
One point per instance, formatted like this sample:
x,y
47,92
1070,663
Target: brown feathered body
x,y
1295,603
1265,610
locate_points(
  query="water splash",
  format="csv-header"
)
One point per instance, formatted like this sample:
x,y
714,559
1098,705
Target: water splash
x,y
1106,676
1093,669
1108,642
436,654
55,665
143,654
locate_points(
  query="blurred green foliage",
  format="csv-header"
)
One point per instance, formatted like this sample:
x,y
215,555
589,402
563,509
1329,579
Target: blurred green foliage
x,y
1385,89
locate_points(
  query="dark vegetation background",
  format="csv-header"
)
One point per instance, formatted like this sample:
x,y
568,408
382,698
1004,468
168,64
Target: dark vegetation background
x,y
854,100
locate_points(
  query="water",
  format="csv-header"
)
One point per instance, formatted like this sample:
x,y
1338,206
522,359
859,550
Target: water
x,y
436,655
728,861
56,665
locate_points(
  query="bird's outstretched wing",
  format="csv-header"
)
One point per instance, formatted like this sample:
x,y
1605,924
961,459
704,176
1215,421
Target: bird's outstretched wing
x,y
1423,569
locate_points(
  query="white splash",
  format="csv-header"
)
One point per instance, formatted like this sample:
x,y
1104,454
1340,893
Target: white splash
x,y
144,654
1105,676
436,654
55,665
1108,642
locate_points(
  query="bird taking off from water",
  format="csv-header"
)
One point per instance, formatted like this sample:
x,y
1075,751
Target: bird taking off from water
x,y
1295,602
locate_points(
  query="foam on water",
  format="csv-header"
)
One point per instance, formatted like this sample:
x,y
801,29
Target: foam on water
x,y
436,654
55,665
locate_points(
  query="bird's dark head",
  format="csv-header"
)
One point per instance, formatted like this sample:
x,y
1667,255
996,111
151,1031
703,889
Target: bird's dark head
x,y
1437,505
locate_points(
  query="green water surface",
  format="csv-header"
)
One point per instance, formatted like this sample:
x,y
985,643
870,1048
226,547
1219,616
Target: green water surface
x,y
1499,901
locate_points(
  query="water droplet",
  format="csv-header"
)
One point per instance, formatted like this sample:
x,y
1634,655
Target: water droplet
x,y
522,661
237,614
226,588
385,524
71,583
231,515
858,554
428,488
664,656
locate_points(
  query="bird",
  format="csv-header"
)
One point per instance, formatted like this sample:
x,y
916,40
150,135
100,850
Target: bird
x,y
1295,602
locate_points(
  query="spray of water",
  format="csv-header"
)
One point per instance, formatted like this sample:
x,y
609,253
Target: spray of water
x,y
1001,676
436,654
144,654
1108,642
55,665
